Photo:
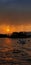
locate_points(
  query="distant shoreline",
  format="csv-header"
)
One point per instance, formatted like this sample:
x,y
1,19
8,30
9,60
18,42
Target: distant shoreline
x,y
16,35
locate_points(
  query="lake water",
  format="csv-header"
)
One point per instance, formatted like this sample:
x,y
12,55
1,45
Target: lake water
x,y
13,52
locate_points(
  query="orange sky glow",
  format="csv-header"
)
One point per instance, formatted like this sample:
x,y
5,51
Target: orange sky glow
x,y
5,29
15,16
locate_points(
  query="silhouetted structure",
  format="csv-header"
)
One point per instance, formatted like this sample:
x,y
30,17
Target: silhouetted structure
x,y
20,35
16,35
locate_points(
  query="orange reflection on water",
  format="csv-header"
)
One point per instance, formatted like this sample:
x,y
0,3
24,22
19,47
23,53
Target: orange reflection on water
x,y
8,43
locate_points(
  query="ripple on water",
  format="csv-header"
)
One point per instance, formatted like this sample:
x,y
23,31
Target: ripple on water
x,y
14,55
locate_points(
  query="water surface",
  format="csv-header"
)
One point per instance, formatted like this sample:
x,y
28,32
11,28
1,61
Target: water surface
x,y
13,52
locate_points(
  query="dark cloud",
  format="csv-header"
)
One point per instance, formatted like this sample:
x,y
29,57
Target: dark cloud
x,y
15,12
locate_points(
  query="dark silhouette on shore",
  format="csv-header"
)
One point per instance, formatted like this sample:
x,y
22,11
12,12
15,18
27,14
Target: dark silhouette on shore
x,y
16,35
20,35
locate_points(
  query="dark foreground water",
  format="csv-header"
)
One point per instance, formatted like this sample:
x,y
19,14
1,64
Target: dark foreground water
x,y
15,51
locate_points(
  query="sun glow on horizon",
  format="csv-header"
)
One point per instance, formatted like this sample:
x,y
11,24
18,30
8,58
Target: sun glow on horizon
x,y
7,29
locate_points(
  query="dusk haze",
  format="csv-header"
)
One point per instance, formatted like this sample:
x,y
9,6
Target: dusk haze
x,y
15,16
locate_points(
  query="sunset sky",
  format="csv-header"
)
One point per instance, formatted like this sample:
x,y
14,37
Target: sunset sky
x,y
15,16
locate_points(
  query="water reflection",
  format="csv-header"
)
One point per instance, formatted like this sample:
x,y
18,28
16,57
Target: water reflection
x,y
7,41
12,53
